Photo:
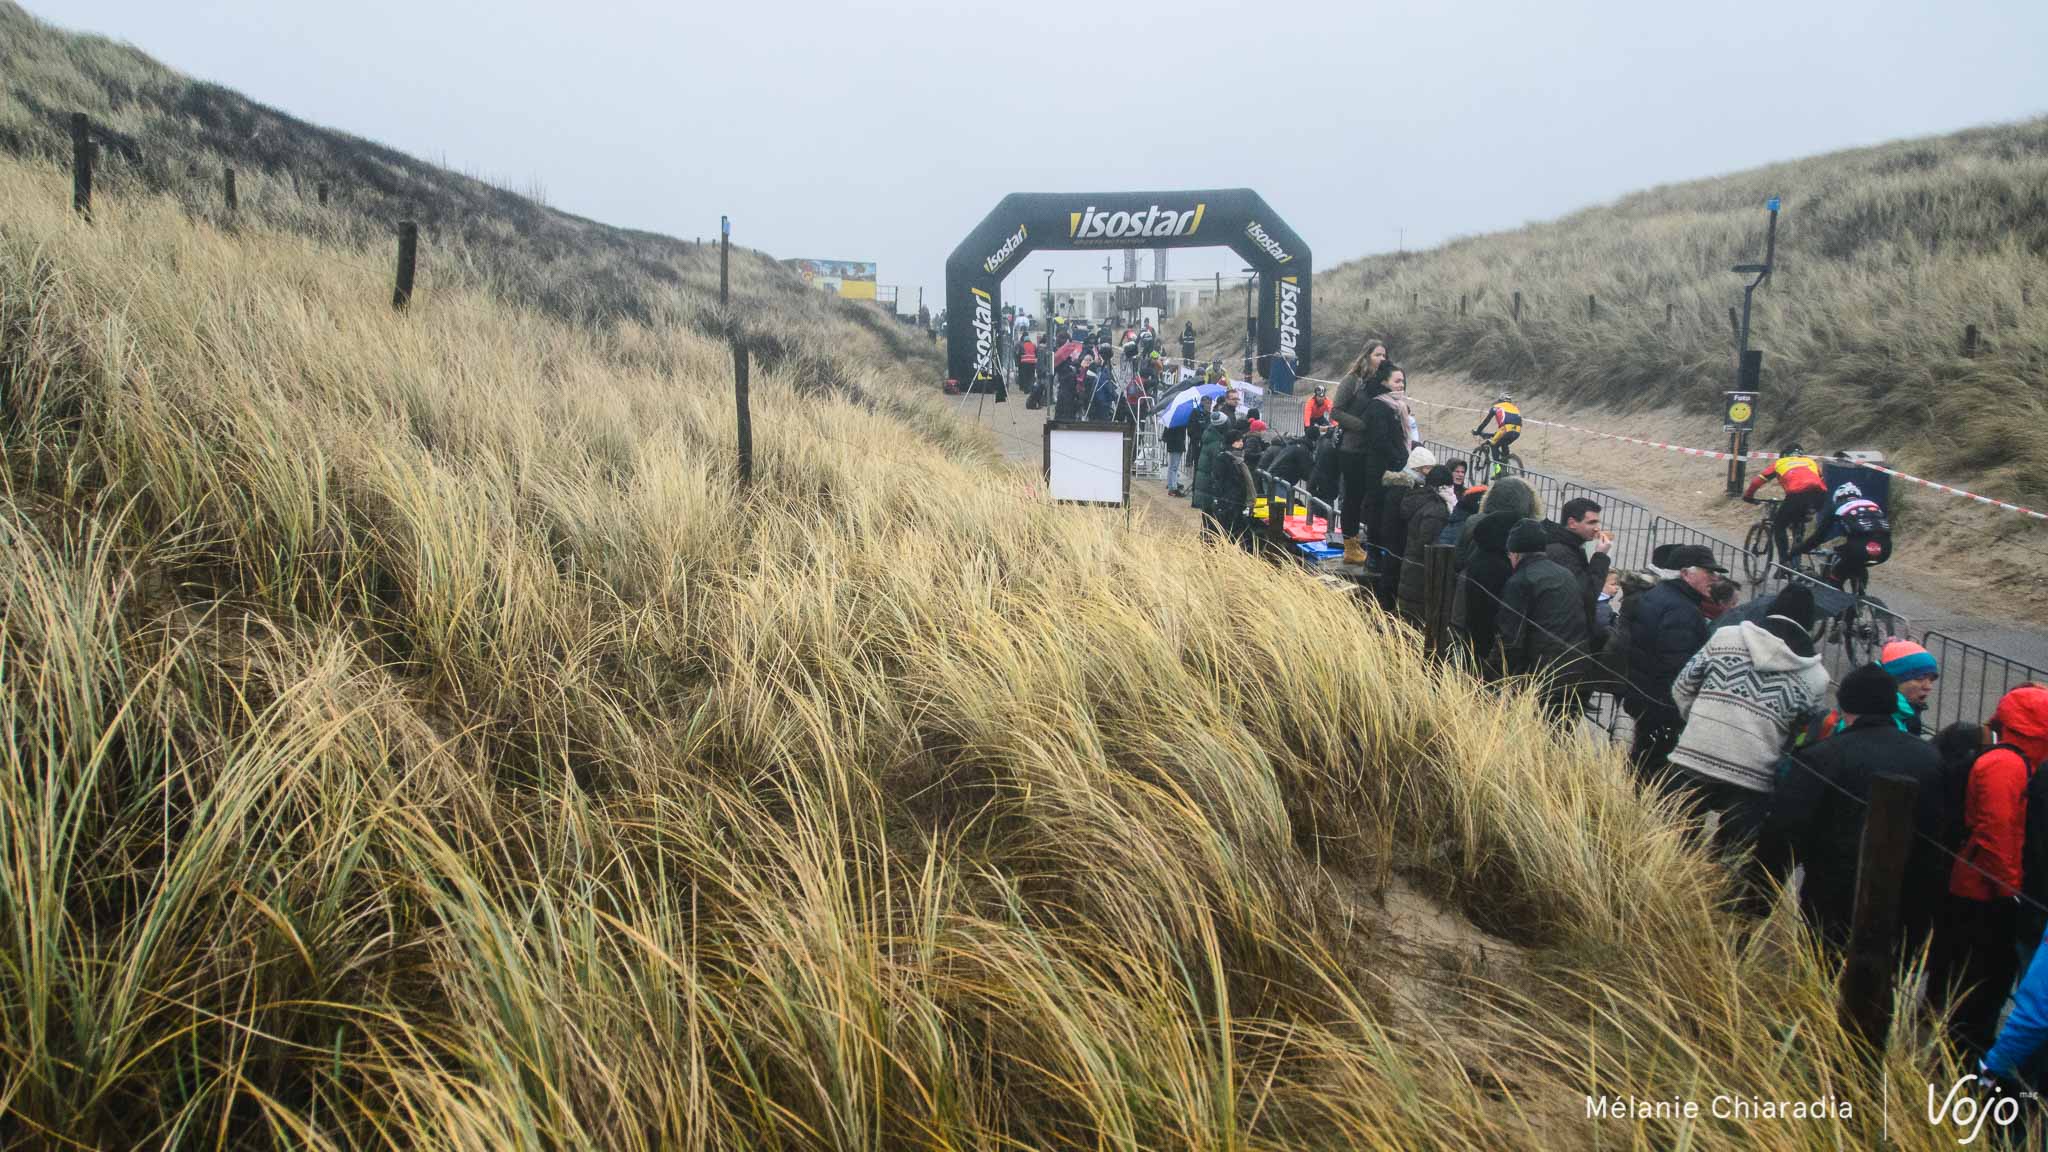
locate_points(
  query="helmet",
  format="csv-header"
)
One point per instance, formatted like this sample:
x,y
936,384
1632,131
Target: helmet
x,y
1322,390
1848,491
1503,398
1790,449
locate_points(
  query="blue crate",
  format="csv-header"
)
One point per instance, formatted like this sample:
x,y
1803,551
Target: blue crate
x,y
1320,552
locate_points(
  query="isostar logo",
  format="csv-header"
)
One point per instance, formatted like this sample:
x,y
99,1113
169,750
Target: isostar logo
x,y
1266,242
984,334
1154,222
1288,304
1004,253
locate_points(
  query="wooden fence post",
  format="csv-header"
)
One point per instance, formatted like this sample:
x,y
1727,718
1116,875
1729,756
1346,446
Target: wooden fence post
x,y
1461,303
1880,869
229,185
1516,308
408,257
746,425
81,165
1970,341
1667,314
323,193
1592,307
1439,586
1368,305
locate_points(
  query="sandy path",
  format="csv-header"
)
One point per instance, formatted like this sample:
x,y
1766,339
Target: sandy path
x,y
1978,575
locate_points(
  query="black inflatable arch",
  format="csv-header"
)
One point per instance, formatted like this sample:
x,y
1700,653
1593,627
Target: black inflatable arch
x,y
1024,222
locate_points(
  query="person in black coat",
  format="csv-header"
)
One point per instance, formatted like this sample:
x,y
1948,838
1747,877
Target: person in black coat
x,y
1291,460
1578,525
1544,630
1066,404
1664,632
1821,828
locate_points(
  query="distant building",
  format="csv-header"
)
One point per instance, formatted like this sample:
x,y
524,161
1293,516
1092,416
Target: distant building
x,y
1101,301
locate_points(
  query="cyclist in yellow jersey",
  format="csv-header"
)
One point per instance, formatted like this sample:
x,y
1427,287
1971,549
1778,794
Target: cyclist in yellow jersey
x,y
1508,418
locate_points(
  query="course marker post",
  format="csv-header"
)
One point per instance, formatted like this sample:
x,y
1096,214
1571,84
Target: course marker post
x,y
81,165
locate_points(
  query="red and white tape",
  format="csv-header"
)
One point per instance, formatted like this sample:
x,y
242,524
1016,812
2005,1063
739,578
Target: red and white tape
x,y
1711,454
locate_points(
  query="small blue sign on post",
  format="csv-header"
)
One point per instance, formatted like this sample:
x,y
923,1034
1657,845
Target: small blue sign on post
x,y
725,222
1772,204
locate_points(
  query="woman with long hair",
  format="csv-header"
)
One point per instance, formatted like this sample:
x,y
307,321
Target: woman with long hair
x,y
1373,439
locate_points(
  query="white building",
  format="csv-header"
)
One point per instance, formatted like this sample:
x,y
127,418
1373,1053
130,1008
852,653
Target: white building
x,y
1098,301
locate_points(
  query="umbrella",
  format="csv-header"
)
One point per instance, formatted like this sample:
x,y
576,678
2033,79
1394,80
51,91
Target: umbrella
x,y
1185,402
1066,352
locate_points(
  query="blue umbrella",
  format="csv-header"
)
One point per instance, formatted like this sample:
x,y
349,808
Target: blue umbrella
x,y
1186,401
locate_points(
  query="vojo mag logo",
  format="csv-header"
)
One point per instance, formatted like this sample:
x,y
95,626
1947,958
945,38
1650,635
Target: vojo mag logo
x,y
1154,222
1287,302
984,334
1258,235
1009,249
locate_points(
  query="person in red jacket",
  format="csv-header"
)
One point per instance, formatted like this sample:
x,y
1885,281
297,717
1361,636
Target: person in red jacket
x,y
1981,921
1027,372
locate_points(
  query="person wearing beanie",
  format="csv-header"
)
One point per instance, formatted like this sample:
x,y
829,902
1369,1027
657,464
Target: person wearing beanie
x,y
1915,670
1484,568
1741,697
1545,632
1818,826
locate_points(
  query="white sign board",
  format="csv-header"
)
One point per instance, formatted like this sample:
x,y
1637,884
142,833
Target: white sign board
x,y
1086,465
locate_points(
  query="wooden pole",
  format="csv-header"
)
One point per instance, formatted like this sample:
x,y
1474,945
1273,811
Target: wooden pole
x,y
1368,305
323,194
746,421
1592,306
1667,315
1970,341
229,187
408,257
81,165
724,251
1516,308
1439,587
1874,920
1414,298
1461,303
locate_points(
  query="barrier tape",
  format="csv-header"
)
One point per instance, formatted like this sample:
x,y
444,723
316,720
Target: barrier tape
x,y
1712,454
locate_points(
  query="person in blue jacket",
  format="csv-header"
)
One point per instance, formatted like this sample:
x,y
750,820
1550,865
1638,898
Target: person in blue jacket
x,y
2013,1054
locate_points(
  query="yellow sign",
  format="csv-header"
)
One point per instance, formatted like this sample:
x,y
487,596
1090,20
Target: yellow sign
x,y
1739,413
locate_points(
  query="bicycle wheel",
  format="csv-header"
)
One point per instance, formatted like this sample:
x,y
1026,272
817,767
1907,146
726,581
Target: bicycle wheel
x,y
1756,552
1513,464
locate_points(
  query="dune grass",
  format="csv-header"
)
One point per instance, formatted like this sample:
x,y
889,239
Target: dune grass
x,y
414,740
1885,254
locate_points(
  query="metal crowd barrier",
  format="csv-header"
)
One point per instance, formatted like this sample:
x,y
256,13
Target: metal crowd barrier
x,y
1972,680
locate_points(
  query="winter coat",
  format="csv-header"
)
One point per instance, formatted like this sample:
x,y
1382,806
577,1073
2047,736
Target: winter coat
x,y
1325,479
1102,404
1666,629
1753,610
1175,439
1476,604
1511,498
2026,1028
1066,390
1426,513
1823,830
1218,478
1995,800
1370,427
1742,697
1468,507
1570,552
1290,461
1543,627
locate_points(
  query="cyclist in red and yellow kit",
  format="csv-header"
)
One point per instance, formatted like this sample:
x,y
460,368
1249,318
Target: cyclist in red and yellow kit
x,y
1805,493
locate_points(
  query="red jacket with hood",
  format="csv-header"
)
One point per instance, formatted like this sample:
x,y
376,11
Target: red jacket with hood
x,y
1995,803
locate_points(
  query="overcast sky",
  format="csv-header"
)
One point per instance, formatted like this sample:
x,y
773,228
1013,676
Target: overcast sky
x,y
863,131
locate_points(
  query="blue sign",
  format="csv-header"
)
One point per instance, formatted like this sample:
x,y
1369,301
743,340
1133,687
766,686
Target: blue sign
x,y
1773,204
725,223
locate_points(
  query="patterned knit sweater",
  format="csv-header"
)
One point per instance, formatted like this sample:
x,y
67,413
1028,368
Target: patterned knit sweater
x,y
1742,697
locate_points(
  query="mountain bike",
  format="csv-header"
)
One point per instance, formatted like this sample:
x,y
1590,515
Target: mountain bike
x,y
1858,621
1489,461
1760,546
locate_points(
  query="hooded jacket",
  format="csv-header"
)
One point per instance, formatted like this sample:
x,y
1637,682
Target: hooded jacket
x,y
1290,461
1542,625
1482,560
1995,799
1742,696
1424,512
1326,477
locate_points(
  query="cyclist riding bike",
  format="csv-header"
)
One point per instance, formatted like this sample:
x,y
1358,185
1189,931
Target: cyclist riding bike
x,y
1863,528
1318,406
1806,494
1508,418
